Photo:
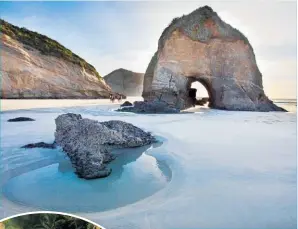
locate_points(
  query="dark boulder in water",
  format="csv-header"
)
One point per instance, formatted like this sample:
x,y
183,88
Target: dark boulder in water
x,y
20,119
150,107
88,143
40,145
126,104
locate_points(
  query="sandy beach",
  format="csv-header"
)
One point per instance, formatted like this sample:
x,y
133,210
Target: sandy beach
x,y
228,169
17,104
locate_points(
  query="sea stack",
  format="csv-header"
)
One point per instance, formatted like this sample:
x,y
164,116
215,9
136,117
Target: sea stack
x,y
202,47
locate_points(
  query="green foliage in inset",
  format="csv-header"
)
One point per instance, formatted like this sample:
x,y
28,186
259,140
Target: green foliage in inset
x,y
47,221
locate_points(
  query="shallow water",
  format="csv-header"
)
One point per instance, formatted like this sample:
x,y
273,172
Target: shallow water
x,y
135,175
228,169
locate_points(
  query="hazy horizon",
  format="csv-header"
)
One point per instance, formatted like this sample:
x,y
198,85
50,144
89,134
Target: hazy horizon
x,y
112,35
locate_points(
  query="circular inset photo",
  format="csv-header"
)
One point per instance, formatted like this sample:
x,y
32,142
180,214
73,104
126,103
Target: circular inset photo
x,y
47,220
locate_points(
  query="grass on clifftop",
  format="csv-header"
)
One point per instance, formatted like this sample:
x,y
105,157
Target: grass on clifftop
x,y
45,45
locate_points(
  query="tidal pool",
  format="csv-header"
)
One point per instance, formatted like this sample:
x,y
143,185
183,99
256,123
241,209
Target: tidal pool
x,y
135,176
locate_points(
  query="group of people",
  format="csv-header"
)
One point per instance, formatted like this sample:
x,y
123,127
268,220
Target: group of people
x,y
114,97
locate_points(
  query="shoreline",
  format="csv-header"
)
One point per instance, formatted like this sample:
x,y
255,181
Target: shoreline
x,y
7,105
24,104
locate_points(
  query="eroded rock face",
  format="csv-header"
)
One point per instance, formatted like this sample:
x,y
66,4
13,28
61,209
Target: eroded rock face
x,y
201,47
26,73
88,143
125,82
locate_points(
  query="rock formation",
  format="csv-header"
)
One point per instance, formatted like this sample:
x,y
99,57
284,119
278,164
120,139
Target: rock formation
x,y
88,143
21,119
40,145
126,104
201,47
125,82
35,66
202,101
150,107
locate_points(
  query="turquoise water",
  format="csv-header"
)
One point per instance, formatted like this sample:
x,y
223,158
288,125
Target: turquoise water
x,y
135,176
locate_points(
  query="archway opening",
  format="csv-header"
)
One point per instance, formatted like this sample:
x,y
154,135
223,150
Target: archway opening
x,y
199,94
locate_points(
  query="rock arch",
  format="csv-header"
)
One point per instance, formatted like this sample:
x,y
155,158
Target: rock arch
x,y
205,84
201,47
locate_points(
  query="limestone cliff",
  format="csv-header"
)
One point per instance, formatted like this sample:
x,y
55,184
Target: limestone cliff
x,y
201,47
125,82
35,66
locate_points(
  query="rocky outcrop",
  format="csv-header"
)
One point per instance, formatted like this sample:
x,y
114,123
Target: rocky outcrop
x,y
125,82
126,104
201,47
150,107
88,143
40,145
35,66
20,119
202,101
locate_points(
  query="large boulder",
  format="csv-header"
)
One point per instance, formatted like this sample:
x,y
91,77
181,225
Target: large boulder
x,y
150,107
126,104
20,119
40,145
201,47
88,143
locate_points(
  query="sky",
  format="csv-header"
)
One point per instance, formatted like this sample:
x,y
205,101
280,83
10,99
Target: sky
x,y
111,35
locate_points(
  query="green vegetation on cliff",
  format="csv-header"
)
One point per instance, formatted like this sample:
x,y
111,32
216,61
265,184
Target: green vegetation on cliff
x,y
45,45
